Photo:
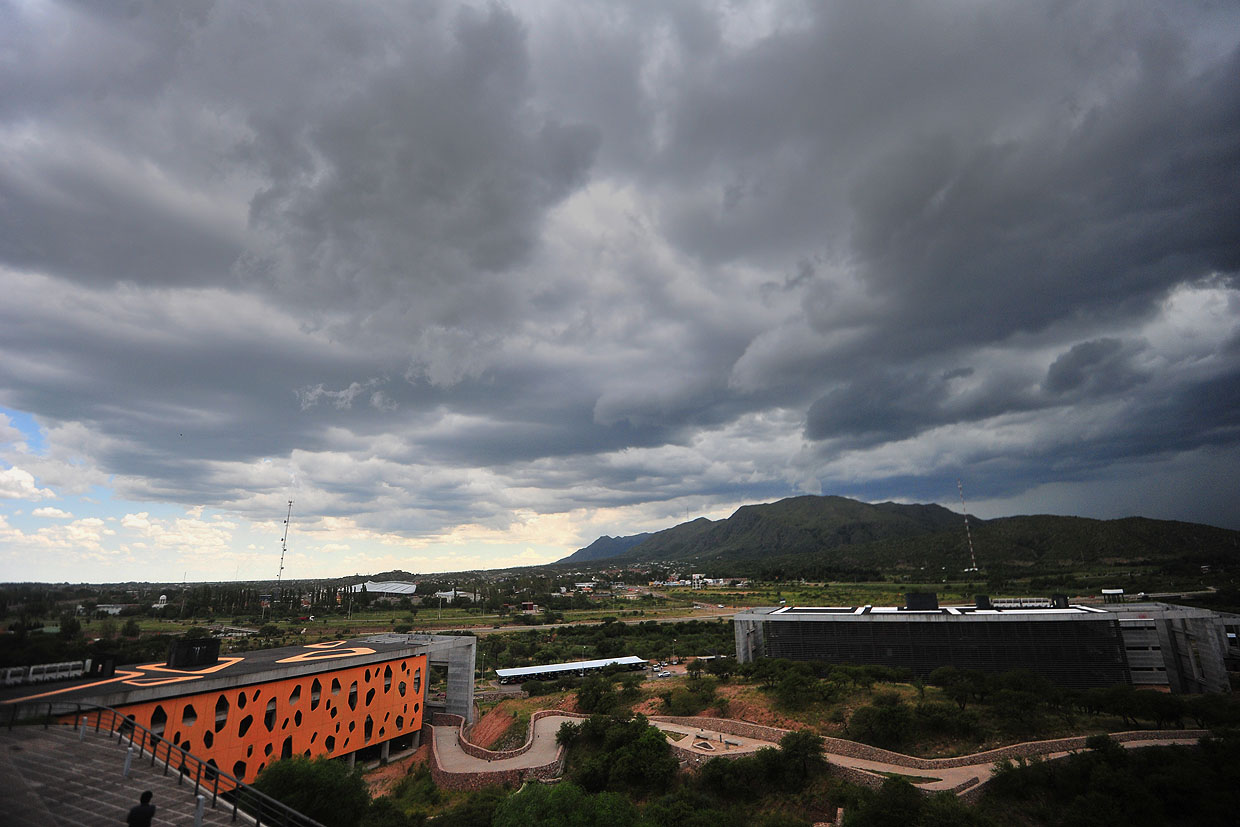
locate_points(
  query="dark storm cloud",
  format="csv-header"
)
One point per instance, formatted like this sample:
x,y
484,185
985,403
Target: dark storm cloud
x,y
1098,365
433,175
439,262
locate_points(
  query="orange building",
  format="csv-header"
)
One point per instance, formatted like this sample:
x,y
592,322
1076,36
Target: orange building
x,y
334,699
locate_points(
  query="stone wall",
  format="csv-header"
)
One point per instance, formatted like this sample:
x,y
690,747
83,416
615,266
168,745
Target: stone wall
x,y
470,748
855,749
486,778
729,725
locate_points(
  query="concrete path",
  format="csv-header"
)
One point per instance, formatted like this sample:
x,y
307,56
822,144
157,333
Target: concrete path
x,y
453,759
711,742
952,777
708,742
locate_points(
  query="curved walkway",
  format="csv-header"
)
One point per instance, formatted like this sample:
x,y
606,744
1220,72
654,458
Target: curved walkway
x,y
959,774
969,776
543,751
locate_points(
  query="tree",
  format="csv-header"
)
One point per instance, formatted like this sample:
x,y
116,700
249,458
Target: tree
x,y
597,695
70,626
564,805
327,791
880,725
802,756
796,690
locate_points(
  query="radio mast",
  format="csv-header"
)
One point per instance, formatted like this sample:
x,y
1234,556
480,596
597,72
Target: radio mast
x,y
283,547
967,534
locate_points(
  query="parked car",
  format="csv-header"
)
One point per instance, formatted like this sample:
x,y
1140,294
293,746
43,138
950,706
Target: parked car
x,y
665,674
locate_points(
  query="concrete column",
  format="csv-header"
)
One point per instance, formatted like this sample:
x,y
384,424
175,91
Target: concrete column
x,y
417,739
461,661
352,760
385,749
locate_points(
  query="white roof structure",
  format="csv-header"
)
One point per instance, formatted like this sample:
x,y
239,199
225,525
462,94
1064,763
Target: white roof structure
x,y
388,587
575,666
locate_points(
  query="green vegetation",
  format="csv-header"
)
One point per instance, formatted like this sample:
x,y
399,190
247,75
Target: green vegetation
x,y
564,805
649,640
1109,785
613,755
327,791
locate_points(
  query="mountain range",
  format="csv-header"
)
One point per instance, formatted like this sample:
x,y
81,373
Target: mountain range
x,y
841,534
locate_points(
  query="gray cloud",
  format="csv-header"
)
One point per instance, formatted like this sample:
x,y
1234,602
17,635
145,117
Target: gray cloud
x,y
442,264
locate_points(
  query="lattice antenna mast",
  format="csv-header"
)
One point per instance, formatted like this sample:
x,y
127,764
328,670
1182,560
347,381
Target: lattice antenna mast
x,y
968,535
284,547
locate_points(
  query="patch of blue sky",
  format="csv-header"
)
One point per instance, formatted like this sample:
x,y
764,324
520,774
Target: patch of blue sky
x,y
30,430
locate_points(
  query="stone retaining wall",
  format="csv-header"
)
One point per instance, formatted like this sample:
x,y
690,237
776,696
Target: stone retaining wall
x,y
855,749
486,778
731,726
470,748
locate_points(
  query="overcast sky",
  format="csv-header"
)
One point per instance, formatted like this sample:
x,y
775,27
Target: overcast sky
x,y
475,284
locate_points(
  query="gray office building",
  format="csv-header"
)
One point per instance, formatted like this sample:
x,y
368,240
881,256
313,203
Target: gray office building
x,y
1154,645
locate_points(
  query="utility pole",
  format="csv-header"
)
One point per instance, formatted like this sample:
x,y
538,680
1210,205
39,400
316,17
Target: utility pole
x,y
967,534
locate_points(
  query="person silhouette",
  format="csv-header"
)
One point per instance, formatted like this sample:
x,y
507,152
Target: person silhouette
x,y
141,814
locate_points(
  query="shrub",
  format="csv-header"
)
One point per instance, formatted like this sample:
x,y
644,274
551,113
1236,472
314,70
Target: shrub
x,y
327,791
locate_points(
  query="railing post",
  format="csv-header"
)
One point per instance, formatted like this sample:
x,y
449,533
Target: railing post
x,y
198,778
82,729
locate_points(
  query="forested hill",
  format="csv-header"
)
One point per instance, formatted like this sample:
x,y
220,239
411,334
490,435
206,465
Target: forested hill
x,y
792,526
837,533
604,547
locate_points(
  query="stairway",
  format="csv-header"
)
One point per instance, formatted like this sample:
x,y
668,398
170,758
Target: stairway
x,y
53,777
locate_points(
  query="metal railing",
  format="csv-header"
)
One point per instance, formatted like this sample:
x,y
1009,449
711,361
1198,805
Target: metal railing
x,y
206,777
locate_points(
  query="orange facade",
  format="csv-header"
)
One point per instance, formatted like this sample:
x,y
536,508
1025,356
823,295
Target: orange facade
x,y
334,713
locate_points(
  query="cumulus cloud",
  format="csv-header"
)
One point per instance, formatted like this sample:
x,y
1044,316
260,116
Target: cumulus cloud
x,y
18,484
51,513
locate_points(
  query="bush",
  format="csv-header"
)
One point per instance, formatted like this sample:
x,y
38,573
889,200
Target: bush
x,y
881,725
327,791
564,805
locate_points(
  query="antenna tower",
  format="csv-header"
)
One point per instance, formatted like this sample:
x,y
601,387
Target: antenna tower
x,y
967,534
283,547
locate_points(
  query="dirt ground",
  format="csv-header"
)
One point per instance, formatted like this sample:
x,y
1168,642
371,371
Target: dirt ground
x,y
491,728
382,780
742,704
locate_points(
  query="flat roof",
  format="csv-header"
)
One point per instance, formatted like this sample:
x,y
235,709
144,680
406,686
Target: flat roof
x,y
572,666
135,683
386,587
896,612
